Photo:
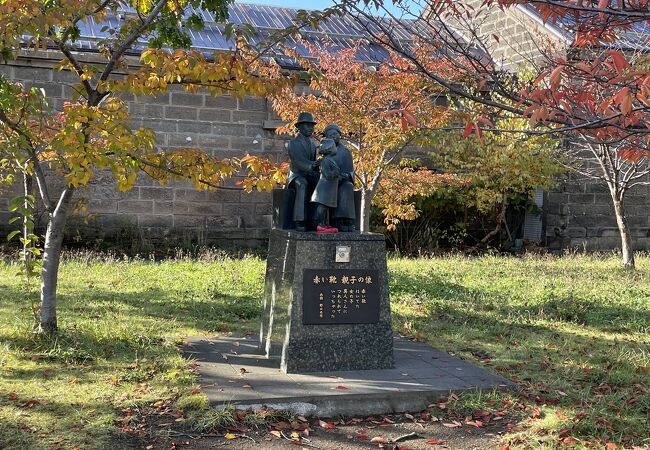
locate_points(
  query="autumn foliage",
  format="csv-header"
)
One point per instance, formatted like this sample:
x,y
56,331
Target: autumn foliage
x,y
93,130
384,111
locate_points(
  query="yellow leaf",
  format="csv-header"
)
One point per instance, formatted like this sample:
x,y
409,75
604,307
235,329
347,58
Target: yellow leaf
x,y
230,436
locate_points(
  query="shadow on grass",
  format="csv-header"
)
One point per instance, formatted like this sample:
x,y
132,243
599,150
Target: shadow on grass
x,y
95,304
526,336
74,429
549,344
457,303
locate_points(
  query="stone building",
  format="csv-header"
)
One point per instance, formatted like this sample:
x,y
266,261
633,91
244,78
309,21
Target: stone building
x,y
576,214
177,214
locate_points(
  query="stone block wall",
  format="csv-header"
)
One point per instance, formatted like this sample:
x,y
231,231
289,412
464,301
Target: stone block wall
x,y
173,214
576,213
513,38
580,215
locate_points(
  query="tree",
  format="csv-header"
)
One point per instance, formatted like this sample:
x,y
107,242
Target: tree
x,y
92,132
498,168
595,91
382,109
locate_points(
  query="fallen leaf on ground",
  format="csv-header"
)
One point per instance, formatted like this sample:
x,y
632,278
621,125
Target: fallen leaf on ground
x,y
436,441
230,436
378,440
324,424
475,423
342,387
277,434
454,424
30,404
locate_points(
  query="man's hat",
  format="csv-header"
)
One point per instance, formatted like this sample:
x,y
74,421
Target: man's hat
x,y
305,117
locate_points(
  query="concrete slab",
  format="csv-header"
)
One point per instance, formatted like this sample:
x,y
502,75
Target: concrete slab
x,y
233,372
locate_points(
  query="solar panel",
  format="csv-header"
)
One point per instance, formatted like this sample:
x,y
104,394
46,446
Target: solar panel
x,y
637,38
343,32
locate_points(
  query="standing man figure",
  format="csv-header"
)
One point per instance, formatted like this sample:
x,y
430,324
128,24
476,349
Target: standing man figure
x,y
303,168
344,214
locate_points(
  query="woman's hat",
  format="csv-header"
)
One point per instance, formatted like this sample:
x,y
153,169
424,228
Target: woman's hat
x,y
332,126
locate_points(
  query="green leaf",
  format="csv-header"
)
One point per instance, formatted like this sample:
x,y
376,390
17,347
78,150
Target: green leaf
x,y
13,234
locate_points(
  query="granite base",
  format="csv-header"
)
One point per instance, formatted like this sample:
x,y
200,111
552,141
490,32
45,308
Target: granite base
x,y
323,347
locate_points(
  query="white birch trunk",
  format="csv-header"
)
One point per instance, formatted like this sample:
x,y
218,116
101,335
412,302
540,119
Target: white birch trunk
x,y
626,238
366,201
28,188
51,259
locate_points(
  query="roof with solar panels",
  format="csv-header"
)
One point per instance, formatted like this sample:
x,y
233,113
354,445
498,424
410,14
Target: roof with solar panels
x,y
341,32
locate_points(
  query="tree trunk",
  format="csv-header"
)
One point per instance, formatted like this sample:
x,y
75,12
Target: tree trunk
x,y
51,259
497,229
366,201
28,187
626,238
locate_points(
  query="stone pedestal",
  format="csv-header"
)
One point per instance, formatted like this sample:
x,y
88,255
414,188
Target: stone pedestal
x,y
321,315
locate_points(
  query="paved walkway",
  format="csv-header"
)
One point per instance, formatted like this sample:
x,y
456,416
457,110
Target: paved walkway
x,y
233,372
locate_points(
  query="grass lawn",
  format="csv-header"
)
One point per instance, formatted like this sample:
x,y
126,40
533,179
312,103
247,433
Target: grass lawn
x,y
573,332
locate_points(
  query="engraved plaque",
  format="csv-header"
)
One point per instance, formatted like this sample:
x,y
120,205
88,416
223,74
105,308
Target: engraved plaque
x,y
342,254
340,296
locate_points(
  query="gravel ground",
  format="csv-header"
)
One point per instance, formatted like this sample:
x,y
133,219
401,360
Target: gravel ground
x,y
349,437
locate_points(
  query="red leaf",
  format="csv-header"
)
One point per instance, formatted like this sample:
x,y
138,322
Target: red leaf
x,y
569,440
281,426
610,446
626,105
342,388
620,63
324,424
378,440
468,129
485,121
436,441
410,118
556,77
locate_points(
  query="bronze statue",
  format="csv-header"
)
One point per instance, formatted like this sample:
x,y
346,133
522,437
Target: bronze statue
x,y
325,194
326,184
343,215
303,168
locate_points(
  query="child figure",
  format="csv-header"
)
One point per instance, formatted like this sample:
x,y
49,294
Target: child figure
x,y
326,190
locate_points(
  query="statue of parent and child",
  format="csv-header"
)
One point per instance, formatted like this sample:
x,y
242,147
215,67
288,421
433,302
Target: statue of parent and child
x,y
326,183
